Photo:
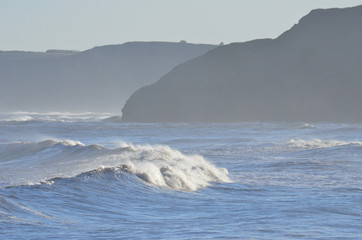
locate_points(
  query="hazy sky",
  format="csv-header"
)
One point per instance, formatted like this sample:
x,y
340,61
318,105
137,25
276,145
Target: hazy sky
x,y
38,25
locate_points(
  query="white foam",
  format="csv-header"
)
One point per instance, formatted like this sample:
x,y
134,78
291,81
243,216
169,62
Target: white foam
x,y
72,143
19,119
317,143
306,126
166,167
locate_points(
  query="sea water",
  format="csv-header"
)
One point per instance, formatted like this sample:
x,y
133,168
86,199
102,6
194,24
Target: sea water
x,y
78,176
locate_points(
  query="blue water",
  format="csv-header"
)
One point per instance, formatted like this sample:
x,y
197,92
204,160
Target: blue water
x,y
65,176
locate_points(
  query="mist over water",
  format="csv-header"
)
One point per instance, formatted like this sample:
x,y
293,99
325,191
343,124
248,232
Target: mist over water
x,y
77,176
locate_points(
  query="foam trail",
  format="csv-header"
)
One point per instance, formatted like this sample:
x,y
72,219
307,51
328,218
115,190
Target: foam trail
x,y
33,163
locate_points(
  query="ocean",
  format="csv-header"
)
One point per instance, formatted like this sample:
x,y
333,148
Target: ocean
x,y
79,176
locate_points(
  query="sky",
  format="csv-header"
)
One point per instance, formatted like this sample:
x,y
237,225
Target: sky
x,y
38,25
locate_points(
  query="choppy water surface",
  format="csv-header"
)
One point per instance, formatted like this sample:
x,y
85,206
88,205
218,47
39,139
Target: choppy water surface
x,y
72,176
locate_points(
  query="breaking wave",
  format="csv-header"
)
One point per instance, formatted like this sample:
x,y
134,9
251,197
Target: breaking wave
x,y
32,163
52,116
317,143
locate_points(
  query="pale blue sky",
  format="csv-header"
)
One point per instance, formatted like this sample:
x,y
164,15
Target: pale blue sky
x,y
38,25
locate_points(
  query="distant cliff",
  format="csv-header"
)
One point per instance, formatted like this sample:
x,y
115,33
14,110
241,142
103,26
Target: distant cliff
x,y
96,80
313,72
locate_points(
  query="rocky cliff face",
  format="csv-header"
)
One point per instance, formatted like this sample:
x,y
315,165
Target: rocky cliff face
x,y
97,80
312,72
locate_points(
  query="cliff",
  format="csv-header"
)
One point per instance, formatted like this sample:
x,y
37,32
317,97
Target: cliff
x,y
312,72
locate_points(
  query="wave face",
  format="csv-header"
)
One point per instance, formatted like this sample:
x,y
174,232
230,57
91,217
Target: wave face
x,y
39,162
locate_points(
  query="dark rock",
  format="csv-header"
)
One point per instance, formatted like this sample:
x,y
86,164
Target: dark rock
x,y
312,72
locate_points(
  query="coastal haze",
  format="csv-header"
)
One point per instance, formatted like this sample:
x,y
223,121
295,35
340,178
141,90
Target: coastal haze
x,y
96,80
240,119
101,79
